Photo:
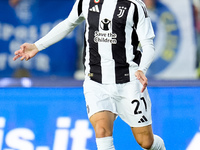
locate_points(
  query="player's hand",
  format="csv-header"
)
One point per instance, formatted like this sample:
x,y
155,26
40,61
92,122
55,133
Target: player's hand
x,y
142,78
26,51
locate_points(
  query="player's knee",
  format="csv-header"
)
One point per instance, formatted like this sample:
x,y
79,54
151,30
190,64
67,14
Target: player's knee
x,y
102,132
145,143
150,144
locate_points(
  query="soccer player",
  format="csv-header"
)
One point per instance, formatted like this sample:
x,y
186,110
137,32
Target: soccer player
x,y
115,82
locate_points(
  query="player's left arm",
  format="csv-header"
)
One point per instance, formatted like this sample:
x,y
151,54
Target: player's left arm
x,y
146,60
145,35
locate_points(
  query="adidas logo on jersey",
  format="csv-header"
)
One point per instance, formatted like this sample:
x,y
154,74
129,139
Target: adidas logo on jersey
x,y
143,119
95,8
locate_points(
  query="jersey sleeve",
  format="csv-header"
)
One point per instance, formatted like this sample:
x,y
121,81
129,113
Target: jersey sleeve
x,y
145,34
63,28
76,14
147,54
144,27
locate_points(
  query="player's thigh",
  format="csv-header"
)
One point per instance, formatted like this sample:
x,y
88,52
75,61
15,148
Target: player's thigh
x,y
104,118
102,123
100,107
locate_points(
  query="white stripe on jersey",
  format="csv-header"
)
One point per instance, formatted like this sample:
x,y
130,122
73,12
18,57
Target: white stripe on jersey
x,y
105,48
87,57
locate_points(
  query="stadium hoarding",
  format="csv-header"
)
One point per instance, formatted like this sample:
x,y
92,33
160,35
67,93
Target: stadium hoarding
x,y
56,119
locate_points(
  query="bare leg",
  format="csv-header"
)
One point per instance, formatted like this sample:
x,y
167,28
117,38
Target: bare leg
x,y
147,140
144,136
102,123
103,126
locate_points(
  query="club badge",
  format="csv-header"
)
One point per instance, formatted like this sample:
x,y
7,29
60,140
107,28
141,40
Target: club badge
x,y
96,1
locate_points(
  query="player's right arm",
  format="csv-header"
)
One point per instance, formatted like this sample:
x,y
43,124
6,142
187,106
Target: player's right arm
x,y
60,31
26,51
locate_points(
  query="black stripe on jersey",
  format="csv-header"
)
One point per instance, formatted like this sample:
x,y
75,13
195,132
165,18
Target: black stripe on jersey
x,y
135,16
95,58
119,50
80,7
135,40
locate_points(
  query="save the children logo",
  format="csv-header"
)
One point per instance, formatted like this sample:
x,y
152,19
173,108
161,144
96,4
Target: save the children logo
x,y
105,24
105,37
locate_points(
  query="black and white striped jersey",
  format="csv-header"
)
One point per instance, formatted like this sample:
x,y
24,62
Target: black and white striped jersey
x,y
112,34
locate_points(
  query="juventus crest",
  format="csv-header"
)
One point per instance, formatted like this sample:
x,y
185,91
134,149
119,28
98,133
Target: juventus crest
x,y
122,9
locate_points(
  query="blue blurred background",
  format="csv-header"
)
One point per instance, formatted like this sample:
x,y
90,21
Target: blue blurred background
x,y
42,105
